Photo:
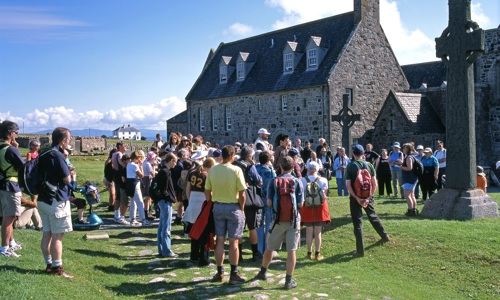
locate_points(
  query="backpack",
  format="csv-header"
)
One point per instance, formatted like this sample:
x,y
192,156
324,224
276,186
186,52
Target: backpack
x,y
155,191
108,171
285,193
314,196
362,186
31,177
3,173
418,167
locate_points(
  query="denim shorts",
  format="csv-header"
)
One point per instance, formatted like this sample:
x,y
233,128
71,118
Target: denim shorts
x,y
230,219
409,186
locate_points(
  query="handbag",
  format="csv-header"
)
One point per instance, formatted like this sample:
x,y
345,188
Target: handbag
x,y
253,198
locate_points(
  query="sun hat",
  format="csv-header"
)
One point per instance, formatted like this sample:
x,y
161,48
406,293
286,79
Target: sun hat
x,y
427,150
264,131
420,147
396,145
199,154
480,171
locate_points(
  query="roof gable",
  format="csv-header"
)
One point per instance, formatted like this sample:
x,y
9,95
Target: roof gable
x,y
267,75
433,74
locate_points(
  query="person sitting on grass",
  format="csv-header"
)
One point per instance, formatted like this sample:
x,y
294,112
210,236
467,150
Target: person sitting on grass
x,y
78,202
285,196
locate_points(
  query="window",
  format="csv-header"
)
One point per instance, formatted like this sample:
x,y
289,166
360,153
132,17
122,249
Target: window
x,y
351,98
223,74
259,104
200,115
240,70
214,118
228,118
392,125
288,62
284,102
312,58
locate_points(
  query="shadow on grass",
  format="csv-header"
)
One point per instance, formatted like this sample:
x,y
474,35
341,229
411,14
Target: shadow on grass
x,y
22,271
95,253
174,289
133,234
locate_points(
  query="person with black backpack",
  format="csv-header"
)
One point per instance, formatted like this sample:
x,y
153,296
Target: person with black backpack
x,y
10,193
409,179
358,202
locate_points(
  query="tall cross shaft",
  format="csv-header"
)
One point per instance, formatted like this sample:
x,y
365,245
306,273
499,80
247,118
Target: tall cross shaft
x,y
459,46
346,118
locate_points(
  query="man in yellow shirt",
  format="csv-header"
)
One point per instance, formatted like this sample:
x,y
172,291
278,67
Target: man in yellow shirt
x,y
225,186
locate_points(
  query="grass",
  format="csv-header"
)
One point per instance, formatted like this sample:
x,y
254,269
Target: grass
x,y
426,259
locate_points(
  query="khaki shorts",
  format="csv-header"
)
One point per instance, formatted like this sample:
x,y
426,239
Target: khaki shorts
x,y
10,204
284,231
56,218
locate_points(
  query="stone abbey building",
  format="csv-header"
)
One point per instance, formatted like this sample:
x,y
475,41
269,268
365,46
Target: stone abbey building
x,y
292,81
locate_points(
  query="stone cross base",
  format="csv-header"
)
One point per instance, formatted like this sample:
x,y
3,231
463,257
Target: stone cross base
x,y
452,204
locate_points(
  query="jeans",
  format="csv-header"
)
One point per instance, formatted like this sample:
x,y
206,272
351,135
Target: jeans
x,y
342,186
136,203
164,225
397,182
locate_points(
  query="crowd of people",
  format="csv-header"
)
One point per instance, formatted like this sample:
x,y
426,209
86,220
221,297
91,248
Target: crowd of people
x,y
218,192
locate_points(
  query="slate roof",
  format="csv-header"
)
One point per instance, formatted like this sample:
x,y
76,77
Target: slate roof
x,y
267,73
432,73
179,118
126,129
420,112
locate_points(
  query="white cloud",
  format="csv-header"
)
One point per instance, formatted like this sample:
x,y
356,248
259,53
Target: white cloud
x,y
478,16
151,116
238,30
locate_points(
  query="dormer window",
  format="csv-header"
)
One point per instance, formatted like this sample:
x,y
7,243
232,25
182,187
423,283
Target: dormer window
x,y
240,70
312,58
223,74
226,68
288,62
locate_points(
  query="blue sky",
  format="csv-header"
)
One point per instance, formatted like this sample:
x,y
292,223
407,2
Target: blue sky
x,y
101,64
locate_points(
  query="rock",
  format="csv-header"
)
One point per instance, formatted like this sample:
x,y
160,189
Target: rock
x,y
145,252
157,279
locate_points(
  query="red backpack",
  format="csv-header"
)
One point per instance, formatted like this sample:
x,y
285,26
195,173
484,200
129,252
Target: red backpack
x,y
362,186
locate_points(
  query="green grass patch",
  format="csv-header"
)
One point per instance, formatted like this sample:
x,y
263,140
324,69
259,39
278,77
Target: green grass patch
x,y
426,259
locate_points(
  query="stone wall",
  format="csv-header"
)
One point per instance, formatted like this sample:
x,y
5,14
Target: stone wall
x,y
86,144
304,117
24,140
369,67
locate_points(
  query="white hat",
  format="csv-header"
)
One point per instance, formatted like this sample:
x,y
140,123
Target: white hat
x,y
420,147
264,131
498,164
427,150
199,154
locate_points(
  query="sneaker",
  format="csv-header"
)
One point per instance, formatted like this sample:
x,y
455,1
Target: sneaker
x,y
319,257
261,276
135,223
309,255
82,221
146,223
290,284
218,277
16,247
235,278
172,255
10,253
59,271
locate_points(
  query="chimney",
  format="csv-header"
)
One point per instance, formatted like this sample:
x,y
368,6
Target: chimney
x,y
366,10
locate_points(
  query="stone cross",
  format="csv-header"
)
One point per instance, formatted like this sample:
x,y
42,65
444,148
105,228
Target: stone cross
x,y
459,46
346,118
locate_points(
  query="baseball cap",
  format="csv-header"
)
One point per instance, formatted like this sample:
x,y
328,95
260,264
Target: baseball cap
x,y
263,131
420,147
357,149
217,153
293,152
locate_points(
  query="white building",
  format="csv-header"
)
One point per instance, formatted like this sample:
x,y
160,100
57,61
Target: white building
x,y
127,133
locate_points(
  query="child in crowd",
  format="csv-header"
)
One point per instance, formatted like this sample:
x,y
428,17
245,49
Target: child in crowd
x,y
34,146
482,182
133,188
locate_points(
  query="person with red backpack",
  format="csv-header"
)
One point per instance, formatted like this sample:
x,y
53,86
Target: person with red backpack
x,y
361,183
285,197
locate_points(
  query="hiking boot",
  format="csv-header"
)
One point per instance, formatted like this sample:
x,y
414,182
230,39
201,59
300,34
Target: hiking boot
x,y
319,257
235,278
261,276
150,217
218,277
59,271
257,256
290,284
309,255
411,213
48,269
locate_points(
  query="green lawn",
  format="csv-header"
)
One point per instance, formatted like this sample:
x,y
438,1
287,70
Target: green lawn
x,y
426,259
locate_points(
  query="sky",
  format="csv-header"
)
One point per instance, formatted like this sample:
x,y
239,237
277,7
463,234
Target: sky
x,y
102,64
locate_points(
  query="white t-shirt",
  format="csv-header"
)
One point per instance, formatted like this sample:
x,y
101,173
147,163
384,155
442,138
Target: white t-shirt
x,y
322,183
147,168
132,169
439,154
